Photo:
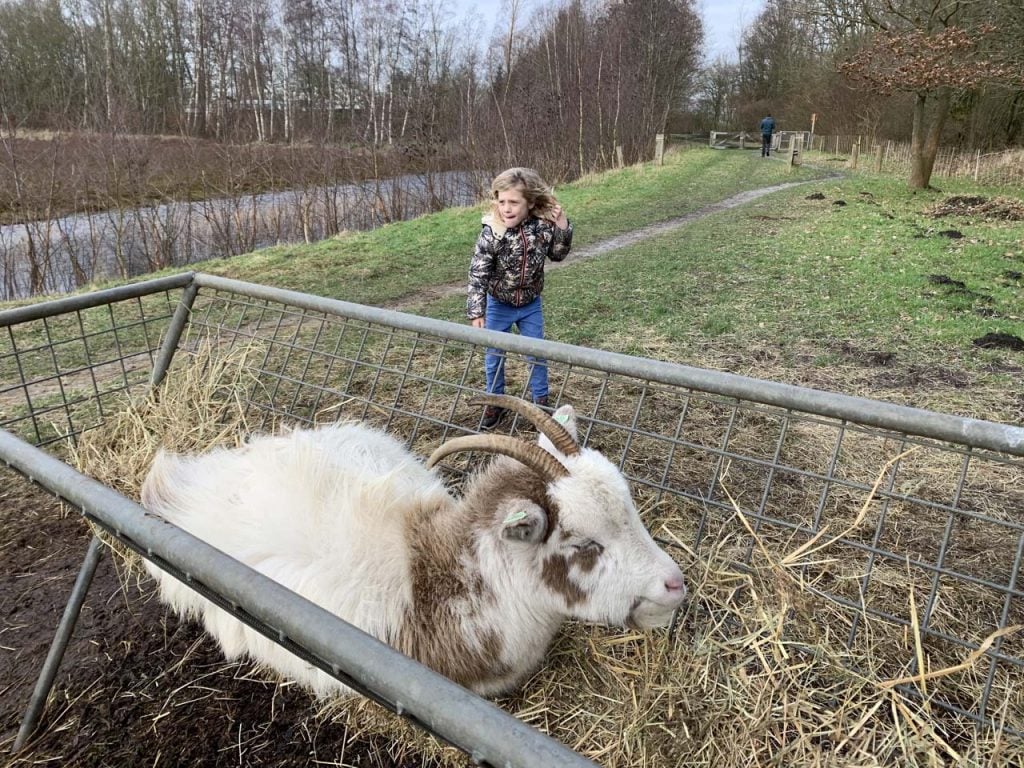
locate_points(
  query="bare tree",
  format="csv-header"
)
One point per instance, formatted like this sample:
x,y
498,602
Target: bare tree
x,y
716,95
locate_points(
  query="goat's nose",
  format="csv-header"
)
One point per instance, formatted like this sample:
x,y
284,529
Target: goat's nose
x,y
675,584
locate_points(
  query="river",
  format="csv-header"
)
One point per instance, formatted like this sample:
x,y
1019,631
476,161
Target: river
x,y
62,254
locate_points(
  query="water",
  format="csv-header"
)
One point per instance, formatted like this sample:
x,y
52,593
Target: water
x,y
62,254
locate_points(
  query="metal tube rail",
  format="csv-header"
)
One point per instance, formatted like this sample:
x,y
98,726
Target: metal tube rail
x,y
1004,438
490,735
94,299
173,334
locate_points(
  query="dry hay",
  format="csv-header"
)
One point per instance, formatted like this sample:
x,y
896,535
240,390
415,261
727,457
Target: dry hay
x,y
757,671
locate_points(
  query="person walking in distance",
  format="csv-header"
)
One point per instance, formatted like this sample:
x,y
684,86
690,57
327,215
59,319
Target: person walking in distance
x,y
767,129
525,227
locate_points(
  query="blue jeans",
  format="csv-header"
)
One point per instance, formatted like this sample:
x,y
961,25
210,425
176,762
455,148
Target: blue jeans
x,y
530,321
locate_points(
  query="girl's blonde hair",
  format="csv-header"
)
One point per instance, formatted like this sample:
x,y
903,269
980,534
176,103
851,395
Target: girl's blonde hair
x,y
540,198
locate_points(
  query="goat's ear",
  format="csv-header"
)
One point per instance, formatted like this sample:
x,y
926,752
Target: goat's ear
x,y
523,520
566,416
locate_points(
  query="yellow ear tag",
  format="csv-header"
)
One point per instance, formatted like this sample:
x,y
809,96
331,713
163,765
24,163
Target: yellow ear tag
x,y
515,517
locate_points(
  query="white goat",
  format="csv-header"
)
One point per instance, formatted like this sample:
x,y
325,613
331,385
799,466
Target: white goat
x,y
473,587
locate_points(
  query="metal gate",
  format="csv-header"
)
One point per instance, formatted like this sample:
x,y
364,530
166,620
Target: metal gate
x,y
729,453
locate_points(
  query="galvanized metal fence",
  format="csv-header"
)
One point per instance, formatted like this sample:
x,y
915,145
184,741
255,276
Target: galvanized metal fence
x,y
920,503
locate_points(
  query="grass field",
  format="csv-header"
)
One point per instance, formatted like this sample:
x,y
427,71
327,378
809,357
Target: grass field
x,y
812,285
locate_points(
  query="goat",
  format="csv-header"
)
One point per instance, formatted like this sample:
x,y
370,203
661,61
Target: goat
x,y
475,588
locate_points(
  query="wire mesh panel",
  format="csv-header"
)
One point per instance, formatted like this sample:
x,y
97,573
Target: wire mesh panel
x,y
64,366
881,522
908,523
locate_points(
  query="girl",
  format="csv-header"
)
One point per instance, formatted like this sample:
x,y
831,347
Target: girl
x,y
525,227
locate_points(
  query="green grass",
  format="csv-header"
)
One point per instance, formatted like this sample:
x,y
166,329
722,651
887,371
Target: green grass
x,y
398,259
813,292
787,288
785,269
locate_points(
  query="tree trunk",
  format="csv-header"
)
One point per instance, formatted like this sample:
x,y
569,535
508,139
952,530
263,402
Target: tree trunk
x,y
108,57
579,89
1012,121
918,180
200,91
925,148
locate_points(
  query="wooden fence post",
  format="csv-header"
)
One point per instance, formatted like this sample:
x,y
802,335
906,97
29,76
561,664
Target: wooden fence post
x,y
795,146
659,149
878,158
977,163
854,154
619,159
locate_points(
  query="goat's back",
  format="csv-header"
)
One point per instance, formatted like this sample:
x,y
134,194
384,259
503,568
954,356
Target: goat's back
x,y
323,512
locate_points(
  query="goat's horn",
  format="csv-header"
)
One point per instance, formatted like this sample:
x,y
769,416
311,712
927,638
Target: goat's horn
x,y
541,419
530,454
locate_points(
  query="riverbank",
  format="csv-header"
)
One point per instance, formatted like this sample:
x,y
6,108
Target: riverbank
x,y
49,175
80,208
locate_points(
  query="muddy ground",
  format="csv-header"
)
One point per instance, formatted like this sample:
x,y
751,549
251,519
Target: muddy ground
x,y
121,697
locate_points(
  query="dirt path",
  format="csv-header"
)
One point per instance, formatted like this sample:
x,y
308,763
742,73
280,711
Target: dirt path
x,y
434,292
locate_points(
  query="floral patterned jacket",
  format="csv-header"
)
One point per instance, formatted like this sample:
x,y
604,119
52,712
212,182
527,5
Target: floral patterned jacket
x,y
508,264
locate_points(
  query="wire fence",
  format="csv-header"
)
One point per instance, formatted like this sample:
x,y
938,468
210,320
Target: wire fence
x,y
1004,168
65,365
917,505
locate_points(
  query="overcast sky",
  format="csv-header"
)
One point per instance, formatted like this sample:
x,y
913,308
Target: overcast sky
x,y
724,21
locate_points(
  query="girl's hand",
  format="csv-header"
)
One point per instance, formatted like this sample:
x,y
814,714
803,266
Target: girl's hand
x,y
477,322
557,217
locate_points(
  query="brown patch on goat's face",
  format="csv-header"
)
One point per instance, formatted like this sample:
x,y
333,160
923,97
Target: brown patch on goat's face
x,y
556,575
586,559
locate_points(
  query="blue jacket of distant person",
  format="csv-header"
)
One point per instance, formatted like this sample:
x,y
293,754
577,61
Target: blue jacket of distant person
x,y
768,126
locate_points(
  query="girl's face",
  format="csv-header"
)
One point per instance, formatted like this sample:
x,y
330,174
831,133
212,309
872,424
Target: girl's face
x,y
512,207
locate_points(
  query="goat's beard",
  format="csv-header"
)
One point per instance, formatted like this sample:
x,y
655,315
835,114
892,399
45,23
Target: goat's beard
x,y
631,620
647,614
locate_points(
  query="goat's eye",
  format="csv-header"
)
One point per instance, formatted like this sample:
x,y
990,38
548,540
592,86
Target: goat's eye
x,y
590,546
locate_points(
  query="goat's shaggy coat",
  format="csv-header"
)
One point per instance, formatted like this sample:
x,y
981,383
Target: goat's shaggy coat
x,y
474,588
